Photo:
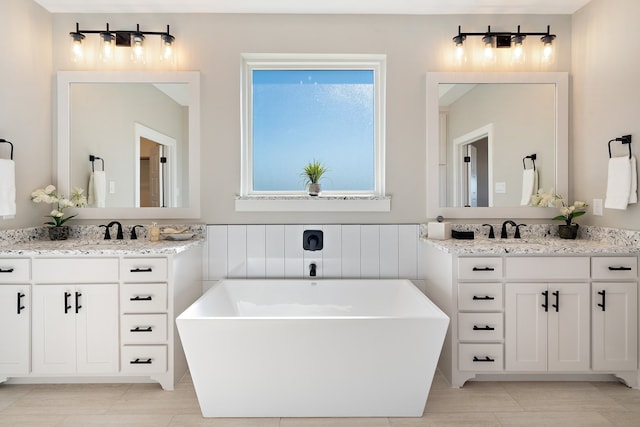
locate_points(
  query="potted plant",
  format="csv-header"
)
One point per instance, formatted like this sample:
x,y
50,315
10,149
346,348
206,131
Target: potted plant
x,y
569,230
57,229
311,176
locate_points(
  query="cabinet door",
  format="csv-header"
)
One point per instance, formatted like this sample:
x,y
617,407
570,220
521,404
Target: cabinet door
x,y
54,330
568,327
525,327
97,328
15,334
615,326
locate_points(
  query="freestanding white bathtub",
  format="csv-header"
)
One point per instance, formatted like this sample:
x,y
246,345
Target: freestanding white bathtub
x,y
321,348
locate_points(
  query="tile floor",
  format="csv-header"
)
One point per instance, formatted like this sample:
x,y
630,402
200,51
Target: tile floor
x,y
477,404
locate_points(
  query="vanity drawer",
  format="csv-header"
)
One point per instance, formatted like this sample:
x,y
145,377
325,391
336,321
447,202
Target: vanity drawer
x,y
615,268
480,268
480,357
548,268
143,328
143,298
75,270
480,296
13,270
144,269
144,359
480,327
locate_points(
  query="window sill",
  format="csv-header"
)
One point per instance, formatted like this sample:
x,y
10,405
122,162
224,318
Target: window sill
x,y
313,204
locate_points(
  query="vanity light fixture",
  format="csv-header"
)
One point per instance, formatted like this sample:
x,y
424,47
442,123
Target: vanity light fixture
x,y
133,39
503,39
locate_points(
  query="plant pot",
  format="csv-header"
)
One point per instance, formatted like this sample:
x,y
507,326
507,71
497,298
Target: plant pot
x,y
568,231
59,233
314,189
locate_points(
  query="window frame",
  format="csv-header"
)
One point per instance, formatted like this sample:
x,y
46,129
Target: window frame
x,y
373,62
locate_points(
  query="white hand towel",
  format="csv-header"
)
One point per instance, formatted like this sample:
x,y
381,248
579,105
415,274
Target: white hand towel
x,y
633,195
7,188
97,193
618,183
529,185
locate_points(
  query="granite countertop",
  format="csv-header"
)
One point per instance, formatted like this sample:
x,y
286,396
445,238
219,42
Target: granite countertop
x,y
88,240
98,247
534,246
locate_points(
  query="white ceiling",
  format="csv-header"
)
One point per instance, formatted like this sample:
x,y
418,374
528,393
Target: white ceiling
x,y
427,7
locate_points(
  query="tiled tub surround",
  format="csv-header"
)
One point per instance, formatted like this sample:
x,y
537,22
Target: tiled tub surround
x,y
94,310
535,307
388,251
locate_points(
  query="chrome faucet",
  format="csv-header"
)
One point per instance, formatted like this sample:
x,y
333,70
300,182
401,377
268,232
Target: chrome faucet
x,y
503,232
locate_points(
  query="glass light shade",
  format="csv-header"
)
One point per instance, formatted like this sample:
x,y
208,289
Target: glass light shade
x,y
488,53
137,48
77,50
517,50
460,55
107,46
167,49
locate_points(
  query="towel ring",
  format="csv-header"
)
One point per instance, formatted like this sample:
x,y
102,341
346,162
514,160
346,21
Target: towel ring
x,y
92,159
533,158
626,139
8,142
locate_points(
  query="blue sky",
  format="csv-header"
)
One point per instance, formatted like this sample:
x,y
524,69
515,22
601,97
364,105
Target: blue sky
x,y
305,115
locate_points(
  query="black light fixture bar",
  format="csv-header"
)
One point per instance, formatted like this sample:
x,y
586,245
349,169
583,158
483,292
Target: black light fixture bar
x,y
123,37
503,36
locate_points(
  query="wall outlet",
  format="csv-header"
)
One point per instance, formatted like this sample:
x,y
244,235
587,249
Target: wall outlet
x,y
597,207
501,187
112,187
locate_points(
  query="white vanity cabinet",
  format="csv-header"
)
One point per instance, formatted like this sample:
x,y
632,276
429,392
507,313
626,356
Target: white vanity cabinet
x,y
547,321
614,313
108,317
535,314
15,310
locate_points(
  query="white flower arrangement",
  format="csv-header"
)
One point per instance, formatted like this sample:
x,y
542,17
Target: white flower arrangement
x,y
50,196
567,212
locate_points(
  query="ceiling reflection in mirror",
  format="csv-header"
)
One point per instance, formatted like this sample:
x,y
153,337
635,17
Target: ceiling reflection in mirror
x,y
139,132
489,132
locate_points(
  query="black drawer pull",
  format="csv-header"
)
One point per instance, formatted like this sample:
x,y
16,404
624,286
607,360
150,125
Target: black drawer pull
x,y
139,329
141,362
138,298
20,306
619,268
483,328
484,298
484,269
67,306
78,306
141,270
8,270
485,359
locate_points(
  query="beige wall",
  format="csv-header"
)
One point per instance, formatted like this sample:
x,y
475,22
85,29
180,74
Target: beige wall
x,y
25,103
606,99
212,44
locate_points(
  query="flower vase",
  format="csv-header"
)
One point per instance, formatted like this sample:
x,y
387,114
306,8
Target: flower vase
x,y
568,231
59,233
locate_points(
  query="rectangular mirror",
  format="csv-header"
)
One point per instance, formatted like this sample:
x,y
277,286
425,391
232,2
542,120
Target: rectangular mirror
x,y
482,130
144,131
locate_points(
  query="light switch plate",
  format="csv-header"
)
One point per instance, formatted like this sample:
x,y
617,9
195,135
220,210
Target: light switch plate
x,y
597,207
501,187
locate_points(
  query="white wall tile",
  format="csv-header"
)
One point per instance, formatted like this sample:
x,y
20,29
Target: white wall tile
x,y
216,252
274,252
256,255
370,251
389,251
351,251
293,252
237,251
408,251
332,252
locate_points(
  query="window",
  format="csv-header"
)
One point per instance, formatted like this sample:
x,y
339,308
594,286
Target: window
x,y
298,109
